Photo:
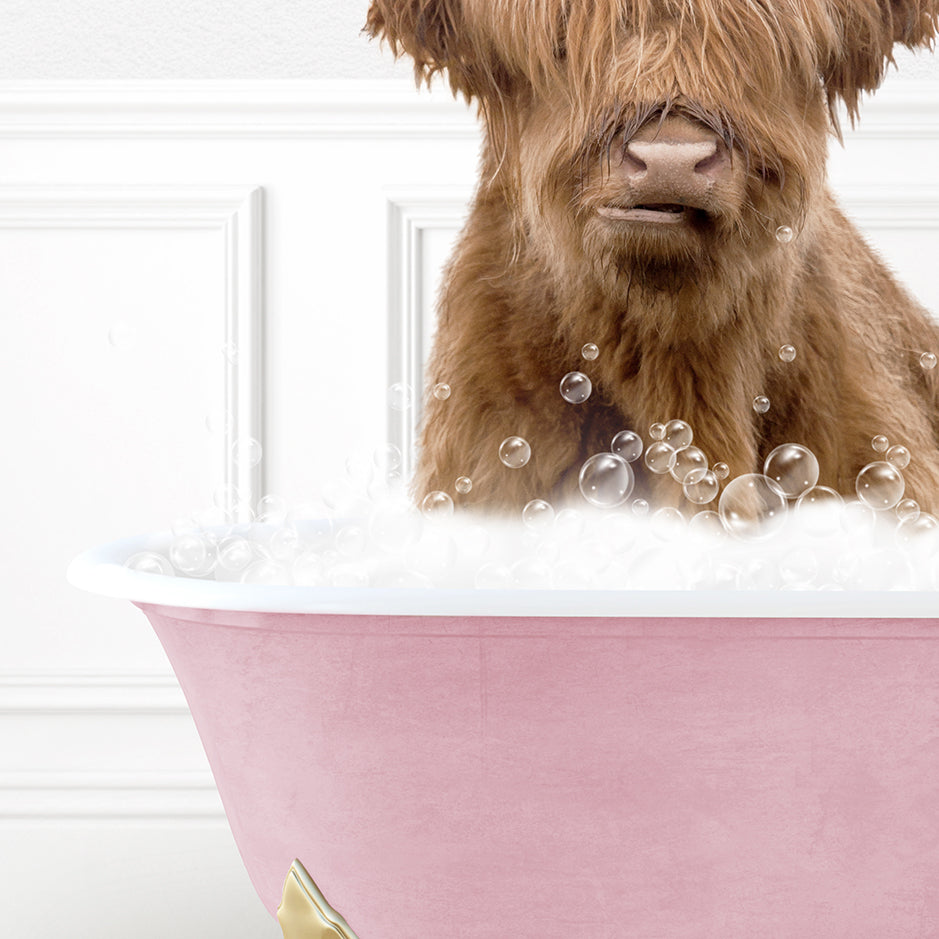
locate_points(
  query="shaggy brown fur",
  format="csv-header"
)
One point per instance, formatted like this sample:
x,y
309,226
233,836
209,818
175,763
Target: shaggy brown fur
x,y
688,316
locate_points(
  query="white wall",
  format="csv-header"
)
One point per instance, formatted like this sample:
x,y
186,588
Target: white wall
x,y
143,226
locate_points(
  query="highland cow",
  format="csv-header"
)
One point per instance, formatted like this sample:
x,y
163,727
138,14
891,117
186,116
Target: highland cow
x,y
653,181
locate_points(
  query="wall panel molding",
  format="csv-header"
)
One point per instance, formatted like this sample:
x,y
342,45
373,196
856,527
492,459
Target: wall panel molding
x,y
412,213
236,213
99,711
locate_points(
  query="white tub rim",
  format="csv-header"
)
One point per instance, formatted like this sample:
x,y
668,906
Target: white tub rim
x,y
101,570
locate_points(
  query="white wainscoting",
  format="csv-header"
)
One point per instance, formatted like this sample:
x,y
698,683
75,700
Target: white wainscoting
x,y
173,252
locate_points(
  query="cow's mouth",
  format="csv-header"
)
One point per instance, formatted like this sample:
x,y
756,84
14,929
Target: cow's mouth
x,y
657,212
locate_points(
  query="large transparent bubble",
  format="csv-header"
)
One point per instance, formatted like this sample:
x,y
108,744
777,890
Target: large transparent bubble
x,y
606,480
752,507
880,485
793,468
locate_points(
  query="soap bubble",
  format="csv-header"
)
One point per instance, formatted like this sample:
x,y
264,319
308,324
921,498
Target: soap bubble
x,y
787,353
538,515
678,435
308,570
265,571
590,351
640,507
701,486
660,457
687,460
916,529
799,566
441,391
530,574
668,523
657,431
569,524
707,525
576,387
387,458
437,505
880,443
351,541
628,445
858,518
907,509
230,351
899,456
246,451
819,510
463,485
272,510
149,562
784,234
761,404
721,470
752,507
189,553
793,468
880,485
928,360
400,396
606,480
235,554
515,452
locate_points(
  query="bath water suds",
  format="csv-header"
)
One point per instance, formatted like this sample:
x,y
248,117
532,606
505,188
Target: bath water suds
x,y
778,530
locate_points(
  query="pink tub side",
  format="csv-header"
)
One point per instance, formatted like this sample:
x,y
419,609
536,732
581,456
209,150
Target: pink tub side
x,y
542,778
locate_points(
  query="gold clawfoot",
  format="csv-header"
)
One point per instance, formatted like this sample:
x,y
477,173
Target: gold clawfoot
x,y
304,913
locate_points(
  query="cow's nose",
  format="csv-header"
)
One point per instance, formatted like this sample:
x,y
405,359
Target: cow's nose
x,y
674,160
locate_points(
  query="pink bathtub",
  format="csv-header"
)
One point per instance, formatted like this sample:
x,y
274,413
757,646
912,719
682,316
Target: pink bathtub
x,y
472,765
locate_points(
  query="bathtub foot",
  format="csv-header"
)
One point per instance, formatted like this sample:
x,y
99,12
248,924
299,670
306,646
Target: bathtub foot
x,y
304,913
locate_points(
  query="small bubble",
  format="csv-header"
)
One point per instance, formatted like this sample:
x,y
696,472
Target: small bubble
x,y
678,435
784,234
787,353
761,404
189,553
121,336
149,562
660,457
272,509
606,480
707,525
590,351
538,515
640,507
721,470
899,456
657,431
235,554
576,387
668,523
701,486
230,351
387,458
400,396
793,468
515,452
928,360
858,518
463,485
442,391
628,445
752,507
880,443
687,460
880,485
437,505
907,509
819,510
246,451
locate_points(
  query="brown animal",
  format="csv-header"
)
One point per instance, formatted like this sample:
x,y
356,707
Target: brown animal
x,y
640,157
